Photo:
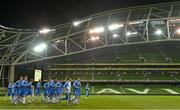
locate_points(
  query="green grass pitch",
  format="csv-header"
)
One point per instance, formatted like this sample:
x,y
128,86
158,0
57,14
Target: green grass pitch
x,y
106,102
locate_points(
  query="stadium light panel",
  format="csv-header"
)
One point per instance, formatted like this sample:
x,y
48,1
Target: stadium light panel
x,y
76,23
136,22
115,26
59,41
175,20
178,31
128,33
96,30
158,32
94,38
40,47
97,38
131,33
46,30
115,35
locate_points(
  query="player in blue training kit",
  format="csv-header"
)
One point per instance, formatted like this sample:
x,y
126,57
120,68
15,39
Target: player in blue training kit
x,y
55,91
87,90
38,90
29,91
51,91
67,90
17,90
10,91
24,89
58,90
77,90
46,92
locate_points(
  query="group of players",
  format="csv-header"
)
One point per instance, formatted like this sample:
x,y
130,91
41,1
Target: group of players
x,y
22,91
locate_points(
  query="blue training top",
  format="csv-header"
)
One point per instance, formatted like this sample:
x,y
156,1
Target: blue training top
x,y
38,86
77,84
46,85
17,84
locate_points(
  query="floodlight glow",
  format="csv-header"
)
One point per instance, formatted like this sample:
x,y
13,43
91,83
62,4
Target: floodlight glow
x,y
178,31
97,30
128,33
46,30
76,23
115,26
40,47
158,32
157,22
59,41
134,33
115,35
175,20
131,33
95,38
136,22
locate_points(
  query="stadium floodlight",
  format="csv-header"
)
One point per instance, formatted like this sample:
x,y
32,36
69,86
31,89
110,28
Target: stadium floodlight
x,y
40,47
174,20
76,23
158,32
135,22
46,30
131,33
95,38
128,33
57,41
115,26
96,30
178,31
115,35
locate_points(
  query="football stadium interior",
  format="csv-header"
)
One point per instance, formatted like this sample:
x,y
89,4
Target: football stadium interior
x,y
134,50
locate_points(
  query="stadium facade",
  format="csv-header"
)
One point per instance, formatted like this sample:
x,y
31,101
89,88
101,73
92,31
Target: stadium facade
x,y
124,47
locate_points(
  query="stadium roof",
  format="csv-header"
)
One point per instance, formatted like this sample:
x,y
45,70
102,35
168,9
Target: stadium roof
x,y
132,25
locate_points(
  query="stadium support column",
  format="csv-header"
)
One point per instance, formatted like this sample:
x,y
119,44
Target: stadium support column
x,y
93,73
11,73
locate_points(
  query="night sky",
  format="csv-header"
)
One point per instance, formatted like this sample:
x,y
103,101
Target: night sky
x,y
40,13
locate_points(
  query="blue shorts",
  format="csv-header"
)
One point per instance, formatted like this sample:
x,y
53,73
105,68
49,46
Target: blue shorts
x,y
46,92
77,92
59,91
23,91
29,91
51,91
17,91
9,92
55,92
37,91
